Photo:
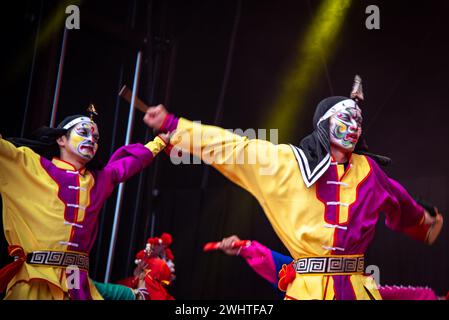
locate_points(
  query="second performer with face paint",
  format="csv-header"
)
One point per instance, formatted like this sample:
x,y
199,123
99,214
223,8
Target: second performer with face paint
x,y
322,197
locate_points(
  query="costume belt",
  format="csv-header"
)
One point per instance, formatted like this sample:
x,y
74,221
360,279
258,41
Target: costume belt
x,y
335,264
61,259
48,258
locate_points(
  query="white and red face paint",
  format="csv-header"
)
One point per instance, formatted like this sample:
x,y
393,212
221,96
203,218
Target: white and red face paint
x,y
83,139
345,128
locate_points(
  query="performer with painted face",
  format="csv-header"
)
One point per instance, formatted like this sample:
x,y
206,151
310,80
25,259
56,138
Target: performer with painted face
x,y
53,188
322,197
83,140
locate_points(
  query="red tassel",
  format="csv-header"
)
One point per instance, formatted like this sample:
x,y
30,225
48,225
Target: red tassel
x,y
286,276
10,270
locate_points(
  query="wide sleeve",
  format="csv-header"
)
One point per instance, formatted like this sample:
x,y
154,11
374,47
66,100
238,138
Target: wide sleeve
x,y
260,259
401,211
131,159
16,163
250,163
12,155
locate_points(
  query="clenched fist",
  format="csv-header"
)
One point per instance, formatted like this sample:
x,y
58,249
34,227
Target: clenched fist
x,y
226,245
155,116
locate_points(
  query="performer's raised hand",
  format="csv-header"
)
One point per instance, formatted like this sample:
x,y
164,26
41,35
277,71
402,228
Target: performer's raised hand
x,y
155,116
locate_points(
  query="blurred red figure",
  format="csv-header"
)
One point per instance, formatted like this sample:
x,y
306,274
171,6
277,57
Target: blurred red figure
x,y
155,269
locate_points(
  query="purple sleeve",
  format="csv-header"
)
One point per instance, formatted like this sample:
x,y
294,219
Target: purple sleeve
x,y
404,212
261,261
127,161
400,209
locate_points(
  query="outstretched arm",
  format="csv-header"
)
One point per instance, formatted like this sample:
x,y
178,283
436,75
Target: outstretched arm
x,y
261,259
250,163
406,215
12,155
131,159
16,163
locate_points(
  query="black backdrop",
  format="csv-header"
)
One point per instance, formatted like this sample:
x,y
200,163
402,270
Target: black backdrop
x,y
186,54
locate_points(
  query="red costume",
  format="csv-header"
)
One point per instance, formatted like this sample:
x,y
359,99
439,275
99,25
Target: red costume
x,y
155,269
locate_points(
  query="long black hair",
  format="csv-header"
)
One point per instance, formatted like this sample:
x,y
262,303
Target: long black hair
x,y
43,142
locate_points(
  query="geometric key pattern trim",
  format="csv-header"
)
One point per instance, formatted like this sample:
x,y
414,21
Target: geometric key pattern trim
x,y
59,259
331,264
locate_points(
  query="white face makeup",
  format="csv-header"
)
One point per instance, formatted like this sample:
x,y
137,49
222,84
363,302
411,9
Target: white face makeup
x,y
83,139
346,128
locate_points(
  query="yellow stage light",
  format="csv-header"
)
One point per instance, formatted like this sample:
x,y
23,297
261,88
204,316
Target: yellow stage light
x,y
316,46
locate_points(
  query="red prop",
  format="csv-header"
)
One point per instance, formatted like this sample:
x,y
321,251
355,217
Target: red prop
x,y
216,245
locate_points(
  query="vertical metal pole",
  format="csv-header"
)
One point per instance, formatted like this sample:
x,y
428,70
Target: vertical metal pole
x,y
122,185
149,85
59,78
104,210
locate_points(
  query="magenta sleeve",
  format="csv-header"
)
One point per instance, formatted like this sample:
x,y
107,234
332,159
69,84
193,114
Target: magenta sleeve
x,y
127,161
260,260
403,211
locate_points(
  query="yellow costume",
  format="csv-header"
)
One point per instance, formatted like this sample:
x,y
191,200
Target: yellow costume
x,y
51,209
335,218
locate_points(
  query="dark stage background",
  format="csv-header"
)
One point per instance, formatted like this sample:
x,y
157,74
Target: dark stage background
x,y
222,62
